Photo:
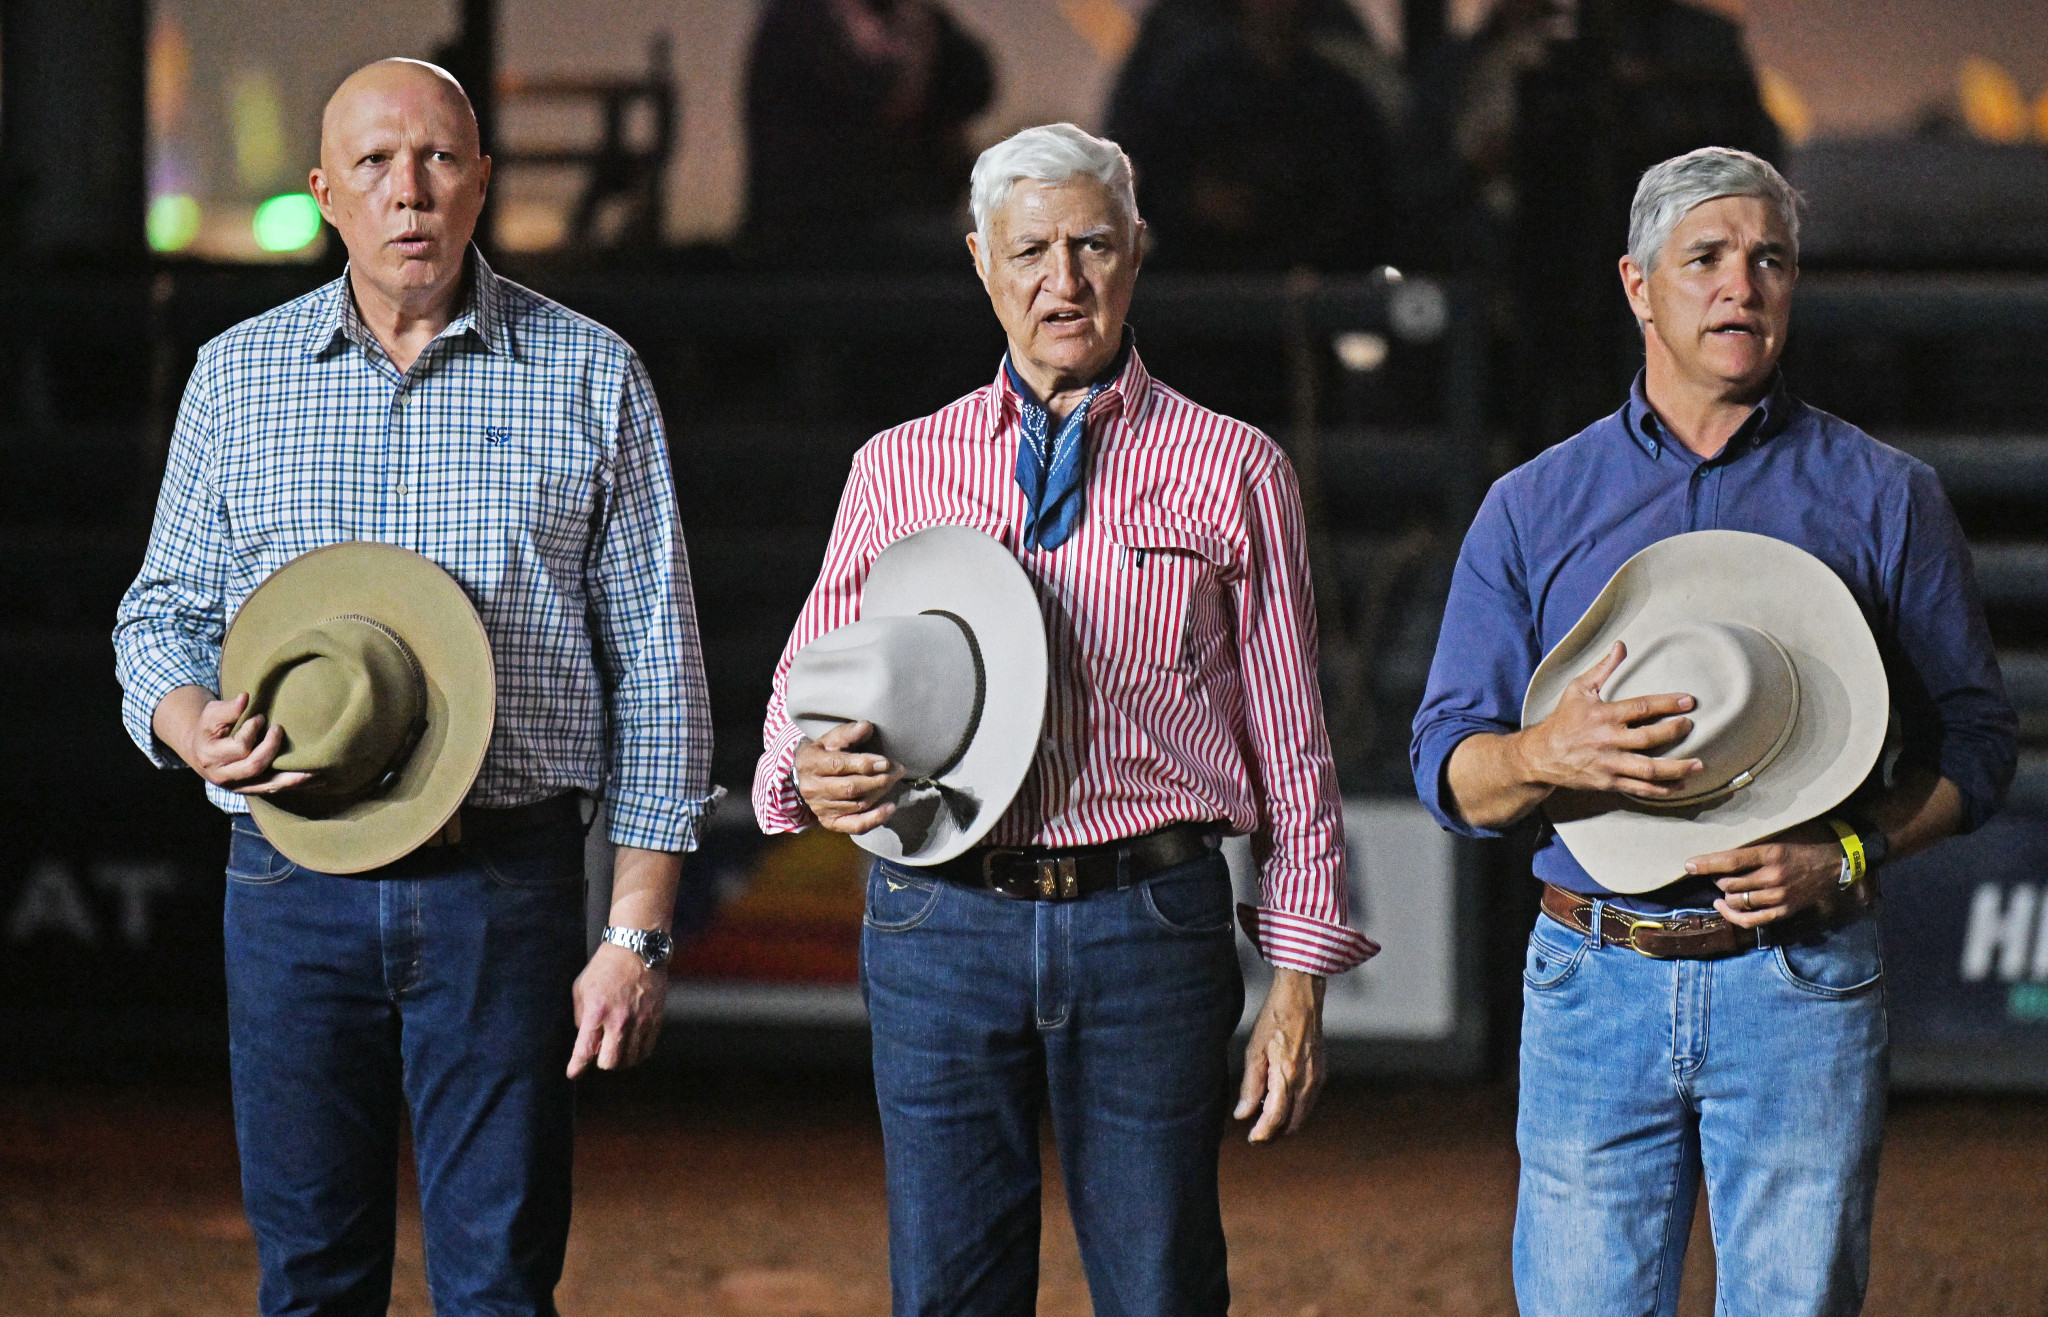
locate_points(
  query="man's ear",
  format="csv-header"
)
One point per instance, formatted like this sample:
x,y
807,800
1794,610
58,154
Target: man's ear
x,y
1633,281
316,183
974,254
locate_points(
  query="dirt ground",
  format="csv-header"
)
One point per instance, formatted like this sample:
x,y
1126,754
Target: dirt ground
x,y
764,1196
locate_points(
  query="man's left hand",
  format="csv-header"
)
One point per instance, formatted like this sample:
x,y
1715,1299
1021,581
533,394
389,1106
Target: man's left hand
x,y
1759,884
618,1004
1283,1063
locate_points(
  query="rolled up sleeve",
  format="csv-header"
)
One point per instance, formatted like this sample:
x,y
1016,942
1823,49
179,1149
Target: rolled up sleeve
x,y
1485,654
168,628
1302,921
645,622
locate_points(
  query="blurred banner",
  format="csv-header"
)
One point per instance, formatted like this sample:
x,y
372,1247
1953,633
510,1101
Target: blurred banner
x,y
1966,958
777,937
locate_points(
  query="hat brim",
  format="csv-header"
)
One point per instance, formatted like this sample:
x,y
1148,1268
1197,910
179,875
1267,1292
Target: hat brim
x,y
970,574
430,612
1628,846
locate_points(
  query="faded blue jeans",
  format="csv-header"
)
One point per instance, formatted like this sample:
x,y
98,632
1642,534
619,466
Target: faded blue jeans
x,y
439,985
1763,1072
1115,1013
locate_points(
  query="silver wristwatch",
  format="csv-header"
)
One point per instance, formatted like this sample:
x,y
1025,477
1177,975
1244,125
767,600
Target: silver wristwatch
x,y
652,945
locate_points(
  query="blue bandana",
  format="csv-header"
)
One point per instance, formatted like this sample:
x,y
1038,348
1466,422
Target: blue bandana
x,y
1051,470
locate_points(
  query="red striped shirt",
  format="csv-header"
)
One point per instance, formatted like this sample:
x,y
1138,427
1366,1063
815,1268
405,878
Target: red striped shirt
x,y
1181,627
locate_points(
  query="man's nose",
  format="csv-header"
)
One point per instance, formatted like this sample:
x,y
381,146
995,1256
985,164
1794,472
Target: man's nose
x,y
1066,278
408,182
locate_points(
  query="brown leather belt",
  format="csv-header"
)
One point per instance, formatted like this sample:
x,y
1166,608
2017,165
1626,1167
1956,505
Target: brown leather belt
x,y
474,823
1044,873
1701,937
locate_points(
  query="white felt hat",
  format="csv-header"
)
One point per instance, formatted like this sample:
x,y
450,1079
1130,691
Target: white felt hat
x,y
1791,699
948,661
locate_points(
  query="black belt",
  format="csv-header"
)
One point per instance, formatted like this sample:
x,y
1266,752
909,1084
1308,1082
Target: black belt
x,y
1048,873
473,823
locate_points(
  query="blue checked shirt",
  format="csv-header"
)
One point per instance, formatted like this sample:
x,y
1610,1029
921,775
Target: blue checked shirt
x,y
524,453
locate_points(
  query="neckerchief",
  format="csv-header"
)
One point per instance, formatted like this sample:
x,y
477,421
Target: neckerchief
x,y
1051,469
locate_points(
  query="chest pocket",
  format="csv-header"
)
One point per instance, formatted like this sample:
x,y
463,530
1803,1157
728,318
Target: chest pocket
x,y
1170,604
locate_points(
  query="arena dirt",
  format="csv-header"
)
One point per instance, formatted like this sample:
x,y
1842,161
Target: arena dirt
x,y
734,1196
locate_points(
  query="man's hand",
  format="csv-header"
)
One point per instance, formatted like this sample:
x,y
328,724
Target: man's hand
x,y
618,1000
1798,868
201,731
1283,1063
844,788
1589,744
618,1004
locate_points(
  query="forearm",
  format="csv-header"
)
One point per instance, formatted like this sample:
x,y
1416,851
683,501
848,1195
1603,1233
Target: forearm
x,y
1491,785
644,888
1917,811
177,718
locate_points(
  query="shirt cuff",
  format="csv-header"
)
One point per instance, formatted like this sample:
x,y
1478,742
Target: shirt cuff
x,y
659,823
1290,941
1431,758
777,806
150,677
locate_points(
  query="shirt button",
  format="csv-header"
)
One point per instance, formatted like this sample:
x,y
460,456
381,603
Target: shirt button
x,y
403,490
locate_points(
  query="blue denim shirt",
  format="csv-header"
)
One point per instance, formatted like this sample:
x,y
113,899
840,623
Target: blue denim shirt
x,y
1552,531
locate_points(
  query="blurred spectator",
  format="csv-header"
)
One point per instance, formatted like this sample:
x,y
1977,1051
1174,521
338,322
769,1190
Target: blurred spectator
x,y
856,119
1259,129
1686,79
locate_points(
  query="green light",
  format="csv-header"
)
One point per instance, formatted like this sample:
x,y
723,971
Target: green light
x,y
173,222
286,222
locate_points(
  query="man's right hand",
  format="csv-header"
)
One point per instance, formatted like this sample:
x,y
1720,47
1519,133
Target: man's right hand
x,y
1589,744
844,788
201,731
1586,744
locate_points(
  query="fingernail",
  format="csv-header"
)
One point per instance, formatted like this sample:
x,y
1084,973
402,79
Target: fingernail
x,y
1685,702
1690,867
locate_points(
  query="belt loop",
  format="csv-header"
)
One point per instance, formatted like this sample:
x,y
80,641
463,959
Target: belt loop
x,y
1599,923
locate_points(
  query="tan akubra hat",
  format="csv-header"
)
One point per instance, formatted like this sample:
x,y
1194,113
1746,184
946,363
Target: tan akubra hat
x,y
374,662
948,661
1791,699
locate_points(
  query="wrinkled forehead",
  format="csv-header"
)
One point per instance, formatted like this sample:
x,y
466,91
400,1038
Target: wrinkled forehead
x,y
1737,219
1074,205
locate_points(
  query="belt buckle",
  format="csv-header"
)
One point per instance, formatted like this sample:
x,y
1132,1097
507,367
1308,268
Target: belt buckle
x,y
1635,925
1059,877
989,859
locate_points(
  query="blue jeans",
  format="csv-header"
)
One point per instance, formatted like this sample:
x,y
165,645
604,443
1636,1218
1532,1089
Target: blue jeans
x,y
439,984
1115,1013
1764,1072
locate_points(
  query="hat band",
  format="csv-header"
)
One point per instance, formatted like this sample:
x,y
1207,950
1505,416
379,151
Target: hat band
x,y
1747,775
931,779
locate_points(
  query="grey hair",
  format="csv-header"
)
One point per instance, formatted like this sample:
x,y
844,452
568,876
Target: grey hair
x,y
1049,153
1668,190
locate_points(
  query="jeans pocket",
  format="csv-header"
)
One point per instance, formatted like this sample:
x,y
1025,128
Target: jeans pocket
x,y
541,858
1193,898
1845,961
252,860
1554,953
899,897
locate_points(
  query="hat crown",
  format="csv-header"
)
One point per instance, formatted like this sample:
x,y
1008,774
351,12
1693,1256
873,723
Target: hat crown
x,y
1745,692
351,700
917,678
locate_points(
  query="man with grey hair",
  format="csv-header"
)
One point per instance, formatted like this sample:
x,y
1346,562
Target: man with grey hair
x,y
1166,544
1728,1026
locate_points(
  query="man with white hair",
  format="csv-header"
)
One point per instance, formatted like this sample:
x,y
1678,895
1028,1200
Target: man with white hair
x,y
1166,545
1728,1026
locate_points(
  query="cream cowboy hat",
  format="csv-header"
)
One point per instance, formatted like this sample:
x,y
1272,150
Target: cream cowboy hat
x,y
1791,698
375,664
948,662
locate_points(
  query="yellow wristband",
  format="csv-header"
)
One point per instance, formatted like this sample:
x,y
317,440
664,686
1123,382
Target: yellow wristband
x,y
1852,847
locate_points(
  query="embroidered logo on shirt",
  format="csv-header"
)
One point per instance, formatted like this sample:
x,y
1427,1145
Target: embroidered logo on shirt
x,y
497,434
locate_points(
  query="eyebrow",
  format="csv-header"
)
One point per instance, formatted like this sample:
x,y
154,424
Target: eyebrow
x,y
1768,247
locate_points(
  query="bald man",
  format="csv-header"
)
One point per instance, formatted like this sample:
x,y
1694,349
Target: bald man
x,y
421,400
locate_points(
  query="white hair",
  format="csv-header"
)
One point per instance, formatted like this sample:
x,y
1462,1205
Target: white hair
x,y
1049,153
1668,190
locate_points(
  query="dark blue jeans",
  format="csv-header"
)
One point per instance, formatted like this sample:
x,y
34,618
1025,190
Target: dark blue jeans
x,y
439,984
1115,1013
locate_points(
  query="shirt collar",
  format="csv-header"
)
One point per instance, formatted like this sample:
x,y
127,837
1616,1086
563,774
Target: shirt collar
x,y
1765,420
1128,386
482,313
